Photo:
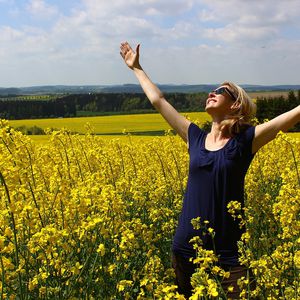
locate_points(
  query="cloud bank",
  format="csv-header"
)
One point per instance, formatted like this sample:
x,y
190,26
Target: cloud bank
x,y
182,41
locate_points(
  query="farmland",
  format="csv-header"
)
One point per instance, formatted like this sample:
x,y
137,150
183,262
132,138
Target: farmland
x,y
41,139
92,216
140,126
107,125
86,217
268,94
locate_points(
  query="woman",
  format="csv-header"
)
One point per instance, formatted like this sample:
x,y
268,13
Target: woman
x,y
219,161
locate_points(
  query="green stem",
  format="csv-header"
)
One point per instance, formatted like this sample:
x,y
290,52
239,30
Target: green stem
x,y
15,232
36,204
294,158
3,277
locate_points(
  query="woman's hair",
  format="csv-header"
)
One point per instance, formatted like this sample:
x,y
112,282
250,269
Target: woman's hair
x,y
243,112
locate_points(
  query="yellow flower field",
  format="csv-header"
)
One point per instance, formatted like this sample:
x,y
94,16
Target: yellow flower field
x,y
108,124
84,217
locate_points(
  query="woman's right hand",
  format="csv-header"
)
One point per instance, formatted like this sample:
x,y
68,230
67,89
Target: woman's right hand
x,y
130,57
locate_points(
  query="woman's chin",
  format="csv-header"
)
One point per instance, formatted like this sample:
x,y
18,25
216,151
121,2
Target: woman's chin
x,y
209,109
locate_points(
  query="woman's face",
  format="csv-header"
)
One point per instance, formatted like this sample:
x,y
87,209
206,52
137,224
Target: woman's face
x,y
220,101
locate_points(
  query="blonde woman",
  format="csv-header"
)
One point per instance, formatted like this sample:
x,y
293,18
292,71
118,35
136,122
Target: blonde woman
x,y
219,161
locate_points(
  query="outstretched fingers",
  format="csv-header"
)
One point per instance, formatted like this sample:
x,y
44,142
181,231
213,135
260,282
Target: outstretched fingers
x,y
130,56
122,50
137,50
125,48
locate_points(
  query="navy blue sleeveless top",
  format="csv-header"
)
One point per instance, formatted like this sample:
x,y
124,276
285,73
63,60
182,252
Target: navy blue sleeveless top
x,y
215,178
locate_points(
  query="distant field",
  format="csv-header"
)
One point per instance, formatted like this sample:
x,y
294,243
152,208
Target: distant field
x,y
31,97
295,134
140,123
43,139
143,125
268,94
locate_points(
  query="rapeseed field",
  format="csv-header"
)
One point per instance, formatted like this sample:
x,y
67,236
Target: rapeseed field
x,y
109,124
85,217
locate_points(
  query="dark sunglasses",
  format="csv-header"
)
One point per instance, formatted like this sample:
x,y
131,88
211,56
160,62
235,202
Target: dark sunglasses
x,y
222,90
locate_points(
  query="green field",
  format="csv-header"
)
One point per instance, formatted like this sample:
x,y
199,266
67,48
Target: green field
x,y
109,125
42,97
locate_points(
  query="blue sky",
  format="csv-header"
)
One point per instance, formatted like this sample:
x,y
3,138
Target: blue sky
x,y
45,42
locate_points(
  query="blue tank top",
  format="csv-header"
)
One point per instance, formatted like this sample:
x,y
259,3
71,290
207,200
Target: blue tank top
x,y
215,178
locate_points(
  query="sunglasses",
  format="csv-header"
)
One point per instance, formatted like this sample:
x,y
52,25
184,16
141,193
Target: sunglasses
x,y
222,90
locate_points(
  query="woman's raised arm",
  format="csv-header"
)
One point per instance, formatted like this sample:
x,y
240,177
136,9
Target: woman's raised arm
x,y
266,132
178,122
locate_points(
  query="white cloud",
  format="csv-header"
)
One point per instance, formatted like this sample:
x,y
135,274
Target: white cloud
x,y
250,20
246,35
8,34
183,41
138,7
41,9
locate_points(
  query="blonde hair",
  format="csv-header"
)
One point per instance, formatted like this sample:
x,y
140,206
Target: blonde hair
x,y
243,112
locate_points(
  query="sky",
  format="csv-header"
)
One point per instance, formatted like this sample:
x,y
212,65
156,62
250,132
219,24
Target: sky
x,y
77,42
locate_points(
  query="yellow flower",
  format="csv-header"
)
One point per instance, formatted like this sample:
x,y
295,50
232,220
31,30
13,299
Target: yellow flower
x,y
122,197
76,268
33,283
101,249
212,289
198,293
123,284
230,289
297,259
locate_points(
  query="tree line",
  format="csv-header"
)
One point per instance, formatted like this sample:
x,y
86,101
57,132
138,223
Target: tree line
x,y
115,103
270,107
34,109
72,105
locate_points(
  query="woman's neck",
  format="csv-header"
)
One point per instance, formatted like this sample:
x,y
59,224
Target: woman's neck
x,y
216,132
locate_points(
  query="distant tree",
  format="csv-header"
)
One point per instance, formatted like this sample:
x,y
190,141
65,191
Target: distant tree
x,y
206,126
91,106
34,130
131,104
292,97
269,108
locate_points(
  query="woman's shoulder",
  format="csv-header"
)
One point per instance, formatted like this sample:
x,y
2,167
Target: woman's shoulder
x,y
195,130
246,131
243,140
195,134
